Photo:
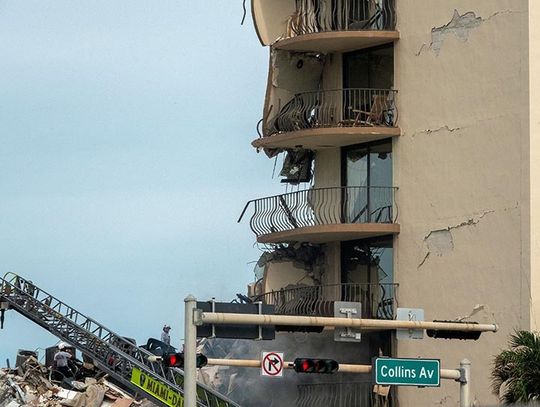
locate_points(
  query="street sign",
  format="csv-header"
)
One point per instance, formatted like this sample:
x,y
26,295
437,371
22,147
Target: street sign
x,y
409,314
346,309
272,364
407,372
160,391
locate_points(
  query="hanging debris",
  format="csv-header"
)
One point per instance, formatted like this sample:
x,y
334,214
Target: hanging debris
x,y
297,166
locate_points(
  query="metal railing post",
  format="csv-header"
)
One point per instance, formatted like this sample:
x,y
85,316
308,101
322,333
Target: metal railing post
x,y
464,383
190,353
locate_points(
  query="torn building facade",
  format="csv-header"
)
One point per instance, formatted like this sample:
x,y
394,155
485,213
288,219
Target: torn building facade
x,y
421,118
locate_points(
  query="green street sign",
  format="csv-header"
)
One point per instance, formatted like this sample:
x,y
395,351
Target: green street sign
x,y
407,372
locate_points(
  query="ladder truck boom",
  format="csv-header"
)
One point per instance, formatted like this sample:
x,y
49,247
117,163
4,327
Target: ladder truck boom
x,y
120,358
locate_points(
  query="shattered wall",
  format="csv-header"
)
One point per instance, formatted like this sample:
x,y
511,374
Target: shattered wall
x,y
280,275
293,265
461,164
290,73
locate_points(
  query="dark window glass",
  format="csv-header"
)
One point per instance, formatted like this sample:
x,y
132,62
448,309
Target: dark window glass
x,y
369,68
367,266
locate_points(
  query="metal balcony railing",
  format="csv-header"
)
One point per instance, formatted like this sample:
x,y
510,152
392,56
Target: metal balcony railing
x,y
378,300
312,16
321,206
350,394
353,107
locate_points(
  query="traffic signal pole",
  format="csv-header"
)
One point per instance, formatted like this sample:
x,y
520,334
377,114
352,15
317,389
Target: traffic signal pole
x,y
464,388
343,367
461,375
190,353
195,317
201,317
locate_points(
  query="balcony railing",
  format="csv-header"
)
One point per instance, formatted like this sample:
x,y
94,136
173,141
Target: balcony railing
x,y
354,107
321,206
378,300
341,15
348,394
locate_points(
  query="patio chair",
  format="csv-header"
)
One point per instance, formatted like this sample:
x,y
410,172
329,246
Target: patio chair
x,y
375,117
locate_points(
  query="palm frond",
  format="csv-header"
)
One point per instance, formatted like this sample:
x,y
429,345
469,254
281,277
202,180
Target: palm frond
x,y
515,376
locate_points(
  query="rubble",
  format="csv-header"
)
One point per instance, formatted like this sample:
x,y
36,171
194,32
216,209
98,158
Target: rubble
x,y
30,385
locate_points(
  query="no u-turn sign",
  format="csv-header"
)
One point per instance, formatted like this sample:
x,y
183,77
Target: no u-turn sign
x,y
272,364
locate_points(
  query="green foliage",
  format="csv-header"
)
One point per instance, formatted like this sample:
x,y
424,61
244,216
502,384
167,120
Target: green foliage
x,y
516,371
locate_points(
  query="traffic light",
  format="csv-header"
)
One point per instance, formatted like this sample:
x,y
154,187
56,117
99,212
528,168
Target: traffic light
x,y
304,365
447,334
201,360
173,359
177,360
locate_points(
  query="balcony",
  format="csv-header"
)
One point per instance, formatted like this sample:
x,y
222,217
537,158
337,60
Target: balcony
x,y
378,300
325,26
331,118
321,215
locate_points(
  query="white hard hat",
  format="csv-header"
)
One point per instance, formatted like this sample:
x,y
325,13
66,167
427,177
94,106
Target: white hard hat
x,y
63,345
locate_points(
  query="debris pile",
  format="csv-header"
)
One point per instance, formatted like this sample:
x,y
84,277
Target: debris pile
x,y
32,385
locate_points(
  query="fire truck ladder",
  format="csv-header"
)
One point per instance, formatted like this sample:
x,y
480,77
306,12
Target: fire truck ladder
x,y
112,353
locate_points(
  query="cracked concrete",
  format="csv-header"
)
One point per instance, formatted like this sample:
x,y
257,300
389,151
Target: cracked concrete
x,y
459,26
428,132
482,313
441,241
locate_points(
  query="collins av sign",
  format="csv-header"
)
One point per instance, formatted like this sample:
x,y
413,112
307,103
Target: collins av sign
x,y
407,372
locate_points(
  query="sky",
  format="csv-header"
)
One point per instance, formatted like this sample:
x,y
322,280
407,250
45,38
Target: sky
x,y
125,158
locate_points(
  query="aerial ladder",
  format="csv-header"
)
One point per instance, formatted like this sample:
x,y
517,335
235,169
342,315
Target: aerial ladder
x,y
118,357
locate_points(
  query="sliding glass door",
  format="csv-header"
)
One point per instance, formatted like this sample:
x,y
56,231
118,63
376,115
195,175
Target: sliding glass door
x,y
367,174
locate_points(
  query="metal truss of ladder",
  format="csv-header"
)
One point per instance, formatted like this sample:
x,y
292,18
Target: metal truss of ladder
x,y
110,351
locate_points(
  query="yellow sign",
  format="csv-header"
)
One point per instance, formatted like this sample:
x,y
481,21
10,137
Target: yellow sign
x,y
157,389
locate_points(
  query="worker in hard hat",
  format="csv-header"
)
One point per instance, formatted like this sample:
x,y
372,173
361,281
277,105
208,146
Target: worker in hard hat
x,y
62,358
165,337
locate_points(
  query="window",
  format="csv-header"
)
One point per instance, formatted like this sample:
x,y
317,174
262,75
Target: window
x,y
367,172
367,267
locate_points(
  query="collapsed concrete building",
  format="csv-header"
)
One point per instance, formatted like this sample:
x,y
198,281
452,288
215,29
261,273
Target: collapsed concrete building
x,y
31,384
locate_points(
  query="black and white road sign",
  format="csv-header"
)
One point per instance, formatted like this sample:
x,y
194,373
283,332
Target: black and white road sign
x,y
272,364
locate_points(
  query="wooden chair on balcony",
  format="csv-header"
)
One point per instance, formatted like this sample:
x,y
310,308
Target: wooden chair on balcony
x,y
375,117
359,117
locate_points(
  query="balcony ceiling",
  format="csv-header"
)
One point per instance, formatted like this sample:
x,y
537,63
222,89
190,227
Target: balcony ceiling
x,y
328,137
331,233
337,41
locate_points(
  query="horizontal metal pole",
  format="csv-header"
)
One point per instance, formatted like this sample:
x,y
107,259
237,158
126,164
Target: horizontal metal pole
x,y
236,362
343,368
450,374
255,319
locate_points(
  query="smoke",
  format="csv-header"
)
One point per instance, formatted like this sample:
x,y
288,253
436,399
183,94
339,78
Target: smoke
x,y
247,387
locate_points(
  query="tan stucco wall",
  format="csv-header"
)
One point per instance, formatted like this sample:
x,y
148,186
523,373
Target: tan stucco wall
x,y
270,18
462,170
333,72
332,273
327,168
534,120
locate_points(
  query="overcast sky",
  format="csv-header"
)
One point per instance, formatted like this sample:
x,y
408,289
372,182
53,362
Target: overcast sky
x,y
125,157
